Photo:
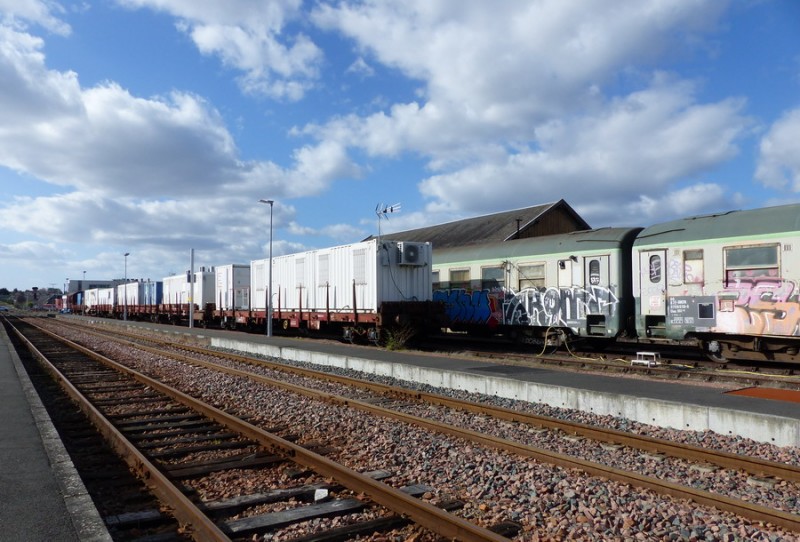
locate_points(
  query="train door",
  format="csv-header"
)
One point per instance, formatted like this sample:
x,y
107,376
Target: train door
x,y
653,295
596,272
598,297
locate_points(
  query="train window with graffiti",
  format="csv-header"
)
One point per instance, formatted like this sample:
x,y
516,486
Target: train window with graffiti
x,y
693,266
492,277
459,278
531,276
655,268
744,263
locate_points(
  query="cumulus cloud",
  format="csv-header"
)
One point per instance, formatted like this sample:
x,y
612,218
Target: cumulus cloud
x,y
38,12
106,141
528,100
639,144
250,37
779,159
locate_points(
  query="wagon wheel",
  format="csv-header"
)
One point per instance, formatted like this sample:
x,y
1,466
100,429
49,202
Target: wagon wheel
x,y
713,350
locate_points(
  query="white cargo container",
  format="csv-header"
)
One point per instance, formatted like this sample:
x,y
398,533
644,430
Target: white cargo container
x,y
140,292
90,298
131,293
232,287
350,278
107,296
176,288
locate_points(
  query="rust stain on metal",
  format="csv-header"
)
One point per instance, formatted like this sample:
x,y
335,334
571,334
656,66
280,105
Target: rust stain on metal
x,y
776,394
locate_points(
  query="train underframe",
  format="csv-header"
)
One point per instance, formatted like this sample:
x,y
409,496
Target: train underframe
x,y
394,319
717,347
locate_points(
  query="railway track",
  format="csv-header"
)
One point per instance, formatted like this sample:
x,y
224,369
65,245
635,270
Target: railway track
x,y
675,365
167,436
382,400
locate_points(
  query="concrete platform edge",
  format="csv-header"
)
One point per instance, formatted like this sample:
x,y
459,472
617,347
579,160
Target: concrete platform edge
x,y
777,430
89,526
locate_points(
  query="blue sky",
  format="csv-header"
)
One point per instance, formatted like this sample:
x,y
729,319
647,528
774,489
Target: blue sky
x,y
154,126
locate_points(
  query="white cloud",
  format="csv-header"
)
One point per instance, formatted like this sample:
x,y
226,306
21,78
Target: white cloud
x,y
251,37
528,100
361,68
510,64
40,12
779,159
108,142
638,145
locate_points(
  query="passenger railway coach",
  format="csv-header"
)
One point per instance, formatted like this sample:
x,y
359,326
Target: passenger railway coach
x,y
725,283
543,290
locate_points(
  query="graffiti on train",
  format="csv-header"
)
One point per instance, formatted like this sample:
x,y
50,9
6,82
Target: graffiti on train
x,y
531,306
760,305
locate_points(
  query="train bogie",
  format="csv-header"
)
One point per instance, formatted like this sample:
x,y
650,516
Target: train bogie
x,y
727,283
543,290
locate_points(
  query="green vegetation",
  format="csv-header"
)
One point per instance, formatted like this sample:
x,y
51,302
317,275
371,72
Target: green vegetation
x,y
397,337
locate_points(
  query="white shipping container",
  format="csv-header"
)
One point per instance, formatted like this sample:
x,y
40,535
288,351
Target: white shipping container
x,y
359,276
233,287
90,297
131,293
106,296
176,288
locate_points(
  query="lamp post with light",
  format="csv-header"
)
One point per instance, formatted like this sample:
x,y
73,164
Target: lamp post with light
x,y
125,288
269,280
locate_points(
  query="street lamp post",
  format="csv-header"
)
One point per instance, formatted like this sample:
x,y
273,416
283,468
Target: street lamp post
x,y
125,288
269,280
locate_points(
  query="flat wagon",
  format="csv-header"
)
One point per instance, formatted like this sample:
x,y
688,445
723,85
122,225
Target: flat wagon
x,y
360,288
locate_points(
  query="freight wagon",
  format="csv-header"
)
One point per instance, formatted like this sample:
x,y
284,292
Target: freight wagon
x,y
358,289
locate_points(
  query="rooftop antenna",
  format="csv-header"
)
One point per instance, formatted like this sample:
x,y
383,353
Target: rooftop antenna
x,y
383,211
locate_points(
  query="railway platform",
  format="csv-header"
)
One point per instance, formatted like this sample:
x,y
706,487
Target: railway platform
x,y
41,495
670,403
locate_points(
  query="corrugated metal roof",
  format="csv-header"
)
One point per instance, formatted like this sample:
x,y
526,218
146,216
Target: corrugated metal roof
x,y
769,220
497,227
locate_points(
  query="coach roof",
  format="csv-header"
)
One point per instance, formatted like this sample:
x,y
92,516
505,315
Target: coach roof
x,y
731,224
600,239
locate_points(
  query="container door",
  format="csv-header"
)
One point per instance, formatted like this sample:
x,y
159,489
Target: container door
x,y
653,282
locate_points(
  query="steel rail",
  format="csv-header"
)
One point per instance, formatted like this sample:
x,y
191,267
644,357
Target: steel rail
x,y
184,510
753,465
736,506
425,514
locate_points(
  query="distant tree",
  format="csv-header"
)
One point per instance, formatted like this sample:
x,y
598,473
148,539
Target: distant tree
x,y
20,299
4,291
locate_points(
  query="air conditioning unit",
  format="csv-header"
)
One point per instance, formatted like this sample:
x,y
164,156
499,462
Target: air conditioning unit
x,y
410,253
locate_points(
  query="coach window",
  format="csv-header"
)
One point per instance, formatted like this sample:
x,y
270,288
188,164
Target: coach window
x,y
436,284
751,262
492,277
531,276
655,269
693,266
459,278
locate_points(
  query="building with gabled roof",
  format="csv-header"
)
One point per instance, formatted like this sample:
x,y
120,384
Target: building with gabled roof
x,y
536,221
